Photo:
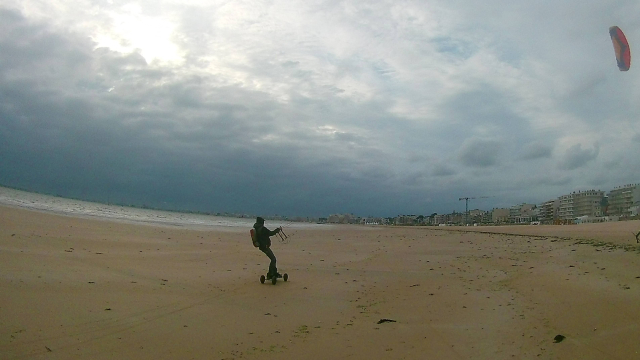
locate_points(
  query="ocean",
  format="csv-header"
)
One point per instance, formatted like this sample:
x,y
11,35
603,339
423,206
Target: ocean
x,y
71,207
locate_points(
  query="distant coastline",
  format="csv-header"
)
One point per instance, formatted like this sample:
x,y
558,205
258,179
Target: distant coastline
x,y
72,207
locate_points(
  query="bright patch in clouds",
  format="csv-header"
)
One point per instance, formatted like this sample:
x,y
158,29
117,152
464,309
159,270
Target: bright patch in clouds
x,y
132,31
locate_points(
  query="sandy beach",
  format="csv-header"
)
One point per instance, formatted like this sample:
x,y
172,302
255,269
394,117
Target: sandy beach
x,y
79,288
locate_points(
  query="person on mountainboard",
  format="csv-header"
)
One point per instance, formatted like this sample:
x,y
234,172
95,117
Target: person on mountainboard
x,y
262,235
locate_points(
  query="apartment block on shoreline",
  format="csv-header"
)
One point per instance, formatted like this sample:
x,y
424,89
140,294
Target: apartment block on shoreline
x,y
623,199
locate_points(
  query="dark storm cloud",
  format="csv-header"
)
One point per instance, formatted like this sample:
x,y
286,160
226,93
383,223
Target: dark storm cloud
x,y
576,157
536,151
485,108
480,125
586,99
442,170
31,48
479,153
552,181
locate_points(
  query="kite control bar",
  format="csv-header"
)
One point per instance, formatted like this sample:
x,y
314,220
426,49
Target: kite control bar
x,y
282,235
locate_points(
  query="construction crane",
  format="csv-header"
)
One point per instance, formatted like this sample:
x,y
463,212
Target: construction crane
x,y
466,206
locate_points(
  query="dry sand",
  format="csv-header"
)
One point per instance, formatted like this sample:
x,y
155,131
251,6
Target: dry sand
x,y
73,288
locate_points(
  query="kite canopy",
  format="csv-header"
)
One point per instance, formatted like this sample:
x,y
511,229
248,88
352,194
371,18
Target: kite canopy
x,y
621,47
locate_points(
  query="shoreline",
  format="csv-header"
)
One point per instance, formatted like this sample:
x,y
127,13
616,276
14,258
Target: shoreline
x,y
92,210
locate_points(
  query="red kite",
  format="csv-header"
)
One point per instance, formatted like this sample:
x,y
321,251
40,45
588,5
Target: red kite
x,y
621,47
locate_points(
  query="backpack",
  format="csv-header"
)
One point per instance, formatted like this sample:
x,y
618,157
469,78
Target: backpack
x,y
254,237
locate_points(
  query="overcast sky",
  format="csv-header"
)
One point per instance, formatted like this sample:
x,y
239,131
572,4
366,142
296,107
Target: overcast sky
x,y
375,108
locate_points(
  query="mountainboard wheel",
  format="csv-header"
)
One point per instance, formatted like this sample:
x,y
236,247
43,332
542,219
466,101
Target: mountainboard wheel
x,y
285,277
274,280
262,278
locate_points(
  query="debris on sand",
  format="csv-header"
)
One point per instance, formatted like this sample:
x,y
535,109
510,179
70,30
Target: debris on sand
x,y
558,338
385,321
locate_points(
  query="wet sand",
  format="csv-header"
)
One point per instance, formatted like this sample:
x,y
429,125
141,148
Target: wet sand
x,y
76,288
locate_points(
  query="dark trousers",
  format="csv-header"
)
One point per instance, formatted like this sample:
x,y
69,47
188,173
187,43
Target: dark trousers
x,y
272,265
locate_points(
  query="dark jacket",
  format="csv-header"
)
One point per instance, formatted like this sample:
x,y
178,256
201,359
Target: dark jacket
x,y
262,235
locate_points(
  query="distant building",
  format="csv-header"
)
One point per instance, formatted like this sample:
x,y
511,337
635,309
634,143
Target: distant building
x,y
486,217
406,219
455,218
588,203
579,204
522,214
622,199
565,207
500,216
372,221
478,216
548,212
342,219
